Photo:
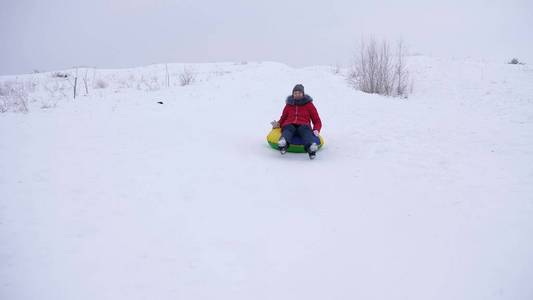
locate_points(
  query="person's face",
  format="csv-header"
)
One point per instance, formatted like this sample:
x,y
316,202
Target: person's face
x,y
297,95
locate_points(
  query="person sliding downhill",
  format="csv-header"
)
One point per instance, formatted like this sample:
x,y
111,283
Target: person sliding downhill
x,y
296,119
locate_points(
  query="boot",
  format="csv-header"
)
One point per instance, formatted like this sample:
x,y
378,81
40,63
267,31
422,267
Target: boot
x,y
312,150
282,145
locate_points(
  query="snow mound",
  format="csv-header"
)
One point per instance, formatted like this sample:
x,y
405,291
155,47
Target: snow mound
x,y
116,196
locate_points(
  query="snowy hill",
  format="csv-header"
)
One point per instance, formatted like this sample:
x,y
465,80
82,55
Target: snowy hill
x,y
114,196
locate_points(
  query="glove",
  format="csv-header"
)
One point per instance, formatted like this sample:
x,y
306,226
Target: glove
x,y
275,124
316,132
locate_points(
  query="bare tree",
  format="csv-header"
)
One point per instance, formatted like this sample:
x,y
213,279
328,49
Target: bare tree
x,y
401,73
377,71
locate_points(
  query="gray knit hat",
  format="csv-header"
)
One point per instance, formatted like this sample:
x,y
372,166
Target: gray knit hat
x,y
299,88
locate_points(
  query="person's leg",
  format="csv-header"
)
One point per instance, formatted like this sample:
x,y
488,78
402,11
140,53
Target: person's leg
x,y
288,132
307,135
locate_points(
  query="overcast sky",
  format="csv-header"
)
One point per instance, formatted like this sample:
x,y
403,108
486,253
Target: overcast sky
x,y
55,34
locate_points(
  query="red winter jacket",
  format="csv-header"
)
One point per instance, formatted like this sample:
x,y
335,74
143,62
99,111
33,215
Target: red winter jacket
x,y
301,112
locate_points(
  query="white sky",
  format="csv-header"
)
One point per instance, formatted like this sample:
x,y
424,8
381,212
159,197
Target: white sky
x,y
55,34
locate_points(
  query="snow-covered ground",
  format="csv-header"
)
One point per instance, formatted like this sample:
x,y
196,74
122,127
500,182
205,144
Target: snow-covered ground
x,y
114,196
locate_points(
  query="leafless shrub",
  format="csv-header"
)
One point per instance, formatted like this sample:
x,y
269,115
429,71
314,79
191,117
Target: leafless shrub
x,y
377,70
4,88
56,89
48,105
32,85
515,61
336,69
187,76
59,75
154,83
218,72
131,80
126,83
100,84
151,84
13,96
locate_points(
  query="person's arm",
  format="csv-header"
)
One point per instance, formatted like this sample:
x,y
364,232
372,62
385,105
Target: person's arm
x,y
283,116
317,123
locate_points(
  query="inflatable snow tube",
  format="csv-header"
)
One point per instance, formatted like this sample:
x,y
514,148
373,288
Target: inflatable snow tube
x,y
297,144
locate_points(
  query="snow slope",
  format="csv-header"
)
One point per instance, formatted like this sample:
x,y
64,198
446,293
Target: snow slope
x,y
113,196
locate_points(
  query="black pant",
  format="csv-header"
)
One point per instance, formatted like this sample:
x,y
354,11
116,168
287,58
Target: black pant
x,y
304,131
